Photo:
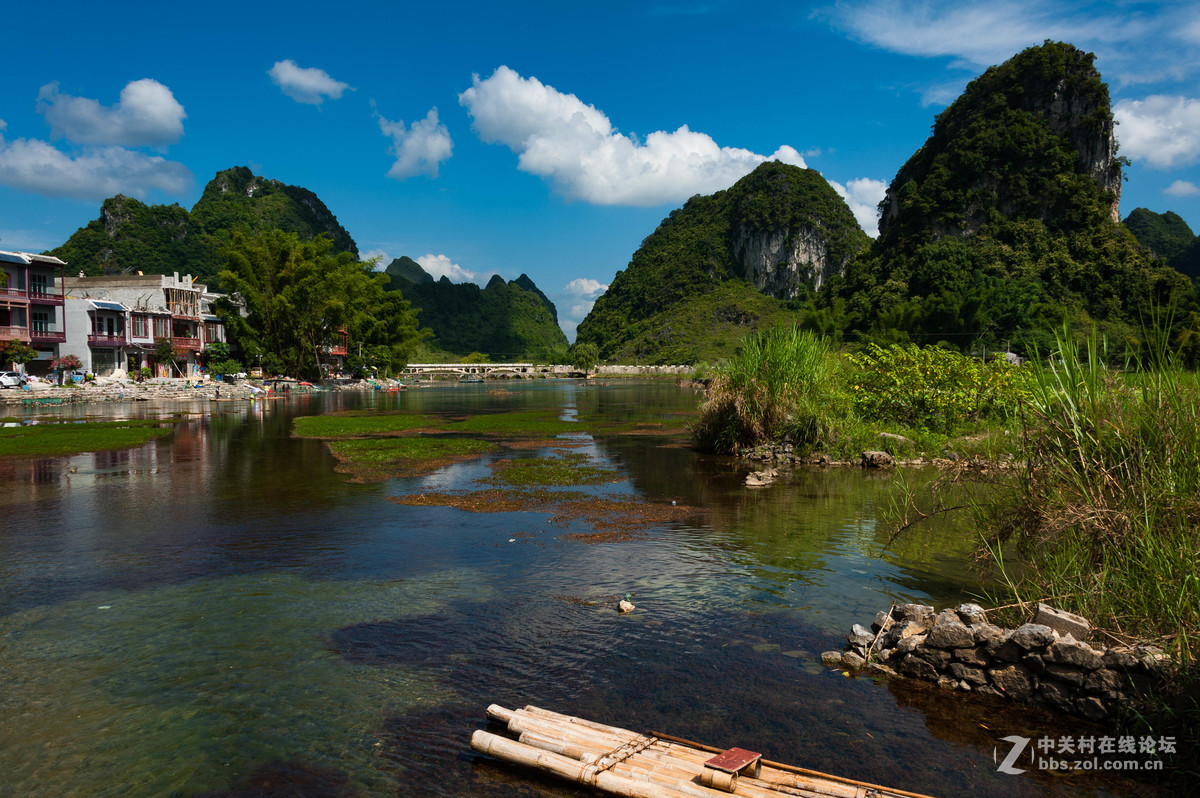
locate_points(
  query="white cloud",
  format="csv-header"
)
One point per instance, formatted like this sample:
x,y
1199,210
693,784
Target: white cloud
x,y
40,168
575,146
977,33
147,115
418,149
585,287
576,302
1182,188
863,196
382,260
307,85
439,266
1163,131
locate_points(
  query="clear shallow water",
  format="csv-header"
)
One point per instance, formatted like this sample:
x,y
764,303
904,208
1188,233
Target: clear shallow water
x,y
220,613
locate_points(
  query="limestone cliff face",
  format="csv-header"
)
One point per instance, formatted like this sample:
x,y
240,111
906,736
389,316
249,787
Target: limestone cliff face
x,y
789,231
782,262
1045,110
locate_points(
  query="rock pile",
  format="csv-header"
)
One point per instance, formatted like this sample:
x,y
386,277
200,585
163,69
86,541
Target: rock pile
x,y
958,648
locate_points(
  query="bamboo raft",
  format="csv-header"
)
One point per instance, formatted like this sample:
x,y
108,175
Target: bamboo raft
x,y
653,765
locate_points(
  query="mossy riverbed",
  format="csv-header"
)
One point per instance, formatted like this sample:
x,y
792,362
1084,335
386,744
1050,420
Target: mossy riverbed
x,y
61,439
378,445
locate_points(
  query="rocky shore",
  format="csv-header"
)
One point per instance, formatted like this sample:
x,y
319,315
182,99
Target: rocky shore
x,y
1046,662
101,391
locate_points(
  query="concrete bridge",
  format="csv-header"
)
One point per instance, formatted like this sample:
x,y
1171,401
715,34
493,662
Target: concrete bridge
x,y
480,369
535,370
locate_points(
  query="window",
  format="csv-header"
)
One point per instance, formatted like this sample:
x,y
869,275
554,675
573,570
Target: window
x,y
38,285
212,332
162,327
139,327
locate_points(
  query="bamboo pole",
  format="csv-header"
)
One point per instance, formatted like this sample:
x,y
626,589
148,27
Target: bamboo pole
x,y
554,745
564,767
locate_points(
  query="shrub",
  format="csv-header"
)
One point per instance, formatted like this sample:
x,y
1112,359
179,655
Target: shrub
x,y
936,389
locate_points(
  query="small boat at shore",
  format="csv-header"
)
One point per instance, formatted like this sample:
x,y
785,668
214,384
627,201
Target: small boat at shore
x,y
653,765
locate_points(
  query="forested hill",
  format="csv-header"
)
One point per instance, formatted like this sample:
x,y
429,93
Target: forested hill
x,y
1004,224
130,236
1168,236
724,264
507,321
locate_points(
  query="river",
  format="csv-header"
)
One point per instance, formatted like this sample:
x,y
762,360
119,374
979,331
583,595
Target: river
x,y
222,613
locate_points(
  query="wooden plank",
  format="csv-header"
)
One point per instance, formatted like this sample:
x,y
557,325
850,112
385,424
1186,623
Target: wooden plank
x,y
732,760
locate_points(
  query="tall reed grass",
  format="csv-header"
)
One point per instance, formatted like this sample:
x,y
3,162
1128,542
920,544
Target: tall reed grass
x,y
1106,512
782,382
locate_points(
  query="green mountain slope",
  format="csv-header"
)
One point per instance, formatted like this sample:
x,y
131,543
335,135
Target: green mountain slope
x,y
722,265
507,321
130,236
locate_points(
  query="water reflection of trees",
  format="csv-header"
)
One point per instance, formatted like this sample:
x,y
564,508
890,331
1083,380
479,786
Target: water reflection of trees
x,y
793,531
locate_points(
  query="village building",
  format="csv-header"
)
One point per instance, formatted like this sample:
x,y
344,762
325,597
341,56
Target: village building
x,y
32,305
118,319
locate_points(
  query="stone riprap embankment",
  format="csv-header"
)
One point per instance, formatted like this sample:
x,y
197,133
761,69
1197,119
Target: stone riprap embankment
x,y
114,391
784,454
959,649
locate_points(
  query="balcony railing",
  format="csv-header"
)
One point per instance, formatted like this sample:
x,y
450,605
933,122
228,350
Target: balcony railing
x,y
337,349
186,343
14,333
51,297
12,292
106,340
45,335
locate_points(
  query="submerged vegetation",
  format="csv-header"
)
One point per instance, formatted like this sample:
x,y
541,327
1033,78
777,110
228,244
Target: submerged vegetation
x,y
56,440
381,444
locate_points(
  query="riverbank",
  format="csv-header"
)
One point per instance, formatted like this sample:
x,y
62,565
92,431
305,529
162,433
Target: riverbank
x,y
41,393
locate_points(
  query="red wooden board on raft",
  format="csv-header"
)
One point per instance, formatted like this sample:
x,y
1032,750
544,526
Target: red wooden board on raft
x,y
733,760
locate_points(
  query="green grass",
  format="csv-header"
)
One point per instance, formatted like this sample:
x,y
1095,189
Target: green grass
x,y
783,382
1107,509
384,458
55,440
359,424
566,469
517,424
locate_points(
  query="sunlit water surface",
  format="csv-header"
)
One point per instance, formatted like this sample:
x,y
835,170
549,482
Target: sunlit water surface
x,y
221,613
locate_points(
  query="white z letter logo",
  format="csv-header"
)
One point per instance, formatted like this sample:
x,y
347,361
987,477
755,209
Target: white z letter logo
x,y
1018,745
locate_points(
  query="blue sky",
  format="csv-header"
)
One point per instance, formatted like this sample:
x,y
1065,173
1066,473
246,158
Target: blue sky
x,y
545,138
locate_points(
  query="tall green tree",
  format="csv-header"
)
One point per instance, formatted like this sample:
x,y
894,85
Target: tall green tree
x,y
300,295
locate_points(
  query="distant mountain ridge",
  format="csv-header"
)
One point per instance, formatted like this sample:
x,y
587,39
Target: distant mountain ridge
x,y
131,236
1168,236
506,320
